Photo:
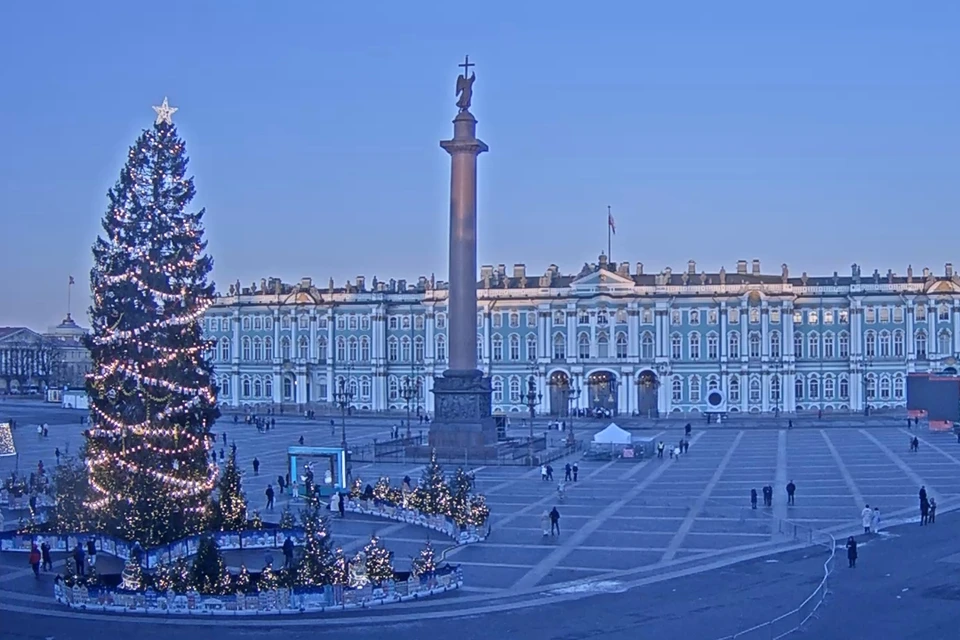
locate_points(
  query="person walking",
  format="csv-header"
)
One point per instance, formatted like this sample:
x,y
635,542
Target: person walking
x,y
852,552
567,472
753,498
282,483
287,553
791,490
341,504
270,495
45,556
866,518
554,521
924,505
545,523
34,560
57,453
933,511
660,448
550,473
543,472
875,520
256,466
300,441
78,558
576,471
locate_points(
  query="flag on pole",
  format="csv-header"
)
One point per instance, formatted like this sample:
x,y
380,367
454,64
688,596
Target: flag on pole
x,y
611,223
71,280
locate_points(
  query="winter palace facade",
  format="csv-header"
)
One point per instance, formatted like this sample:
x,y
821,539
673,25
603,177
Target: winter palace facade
x,y
608,337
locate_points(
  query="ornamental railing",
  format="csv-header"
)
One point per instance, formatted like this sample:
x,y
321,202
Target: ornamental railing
x,y
793,620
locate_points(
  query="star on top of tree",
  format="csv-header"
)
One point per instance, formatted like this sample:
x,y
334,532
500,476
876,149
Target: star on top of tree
x,y
165,112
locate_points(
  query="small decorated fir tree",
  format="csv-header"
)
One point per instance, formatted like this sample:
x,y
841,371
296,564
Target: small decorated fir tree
x,y
287,520
432,495
242,582
426,562
479,511
72,490
461,486
314,567
381,490
269,580
339,569
356,488
379,561
209,572
256,522
232,505
132,577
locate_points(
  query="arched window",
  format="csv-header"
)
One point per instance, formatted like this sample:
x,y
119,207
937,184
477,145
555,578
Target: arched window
x,y
844,387
225,386
558,319
755,390
531,346
514,389
365,322
442,321
257,388
646,346
694,388
734,345
813,345
559,347
393,351
898,343
676,389
418,349
418,323
284,348
884,344
583,347
322,349
798,345
602,316
441,348
871,386
775,344
405,349
828,387
353,349
621,346
268,348
257,349
813,386
713,382
884,387
944,346
754,344
514,347
365,348
694,343
365,387
497,348
303,348
341,349
943,312
497,397
268,386
733,389
603,345
225,349
898,391
775,388
268,323
828,345
676,346
920,342
245,387
393,388
798,388
713,346
870,344
246,323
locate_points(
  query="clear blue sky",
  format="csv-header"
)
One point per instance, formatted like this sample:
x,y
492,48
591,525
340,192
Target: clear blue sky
x,y
817,134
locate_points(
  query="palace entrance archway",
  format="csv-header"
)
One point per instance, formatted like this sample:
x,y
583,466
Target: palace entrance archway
x,y
602,390
648,393
559,385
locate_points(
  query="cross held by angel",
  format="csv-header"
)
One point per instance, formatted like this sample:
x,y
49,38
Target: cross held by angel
x,y
465,85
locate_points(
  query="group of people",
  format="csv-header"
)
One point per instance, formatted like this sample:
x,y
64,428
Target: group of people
x,y
767,491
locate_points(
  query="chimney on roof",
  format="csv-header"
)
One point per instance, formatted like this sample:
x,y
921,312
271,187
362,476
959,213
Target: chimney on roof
x,y
948,269
691,267
741,267
502,270
926,272
756,267
519,271
639,268
623,269
361,283
305,283
401,286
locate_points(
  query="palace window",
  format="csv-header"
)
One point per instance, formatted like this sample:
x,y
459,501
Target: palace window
x,y
775,388
798,345
920,312
393,388
418,349
871,384
405,322
898,388
798,387
647,316
268,387
583,347
829,387
898,315
884,344
775,344
844,387
268,323
869,315
797,317
364,322
602,316
755,394
754,315
813,317
441,348
943,344
559,347
694,388
514,389
245,348
813,385
304,322
675,318
393,350
353,351
352,322
828,316
246,325
775,315
813,345
944,311
584,317
285,322
621,346
733,345
479,348
898,343
843,345
733,315
257,387
245,387
713,346
621,316
828,350
225,349
603,346
224,386
754,344
531,319
733,389
920,342
497,320
694,339
257,349
365,388
497,354
694,316
322,349
285,347
558,319
258,323
676,346
268,348
676,389
303,348
514,320
405,349
844,315
497,390
884,388
884,314
713,382
441,321
712,316
514,347
531,347
418,323
646,346
870,344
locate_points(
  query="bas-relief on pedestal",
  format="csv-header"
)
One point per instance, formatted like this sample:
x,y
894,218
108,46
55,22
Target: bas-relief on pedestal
x,y
462,396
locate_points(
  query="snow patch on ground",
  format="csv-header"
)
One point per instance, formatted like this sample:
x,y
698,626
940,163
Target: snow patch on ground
x,y
600,586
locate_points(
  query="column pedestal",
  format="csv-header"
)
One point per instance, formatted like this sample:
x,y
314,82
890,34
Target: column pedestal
x,y
463,424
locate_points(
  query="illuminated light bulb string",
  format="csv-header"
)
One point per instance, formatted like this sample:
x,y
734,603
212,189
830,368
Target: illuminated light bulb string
x,y
152,392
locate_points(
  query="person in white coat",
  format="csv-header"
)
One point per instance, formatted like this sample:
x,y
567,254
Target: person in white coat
x,y
866,516
875,520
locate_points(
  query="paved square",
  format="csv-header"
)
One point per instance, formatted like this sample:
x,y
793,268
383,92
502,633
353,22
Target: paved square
x,y
622,517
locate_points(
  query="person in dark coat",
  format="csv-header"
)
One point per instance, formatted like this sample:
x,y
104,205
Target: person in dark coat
x,y
554,521
791,489
753,498
567,473
256,466
287,553
852,552
78,558
270,496
924,506
34,560
576,471
47,561
340,504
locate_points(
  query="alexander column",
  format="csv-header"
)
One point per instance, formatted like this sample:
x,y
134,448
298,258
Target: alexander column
x,y
462,408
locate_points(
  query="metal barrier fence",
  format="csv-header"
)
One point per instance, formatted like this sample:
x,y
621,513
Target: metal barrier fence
x,y
793,620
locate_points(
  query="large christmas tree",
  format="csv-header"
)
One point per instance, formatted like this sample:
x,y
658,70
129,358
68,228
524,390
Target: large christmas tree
x,y
152,398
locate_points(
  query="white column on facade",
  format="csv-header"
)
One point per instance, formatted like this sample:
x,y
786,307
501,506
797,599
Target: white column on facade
x,y
955,316
312,349
294,329
933,341
744,334
235,360
430,338
331,352
544,343
724,340
664,393
765,335
487,338
571,333
593,335
909,343
787,385
275,363
633,333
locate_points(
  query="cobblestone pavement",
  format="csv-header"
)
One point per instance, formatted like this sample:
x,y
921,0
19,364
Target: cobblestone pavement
x,y
622,521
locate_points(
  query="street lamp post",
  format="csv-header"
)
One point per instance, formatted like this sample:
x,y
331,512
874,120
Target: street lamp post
x,y
573,394
866,386
343,397
408,391
532,399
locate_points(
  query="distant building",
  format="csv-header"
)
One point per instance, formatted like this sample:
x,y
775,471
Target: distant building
x,y
629,341
74,357
28,361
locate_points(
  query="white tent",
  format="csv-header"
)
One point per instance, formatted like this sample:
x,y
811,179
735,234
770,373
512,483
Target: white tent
x,y
613,435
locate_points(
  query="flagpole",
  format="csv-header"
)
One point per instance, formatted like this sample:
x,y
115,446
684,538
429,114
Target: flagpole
x,y
609,235
69,291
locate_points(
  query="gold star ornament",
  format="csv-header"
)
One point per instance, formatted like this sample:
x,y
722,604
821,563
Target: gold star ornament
x,y
165,113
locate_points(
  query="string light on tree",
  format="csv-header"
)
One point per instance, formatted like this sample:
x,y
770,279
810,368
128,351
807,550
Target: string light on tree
x,y
152,395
